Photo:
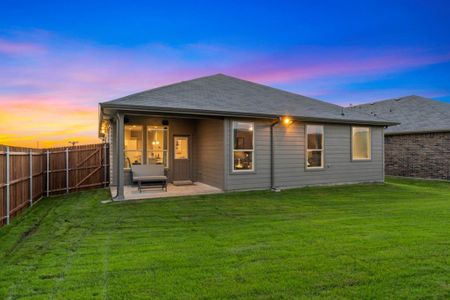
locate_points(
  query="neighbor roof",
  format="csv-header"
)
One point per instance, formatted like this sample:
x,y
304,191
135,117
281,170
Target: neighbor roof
x,y
414,113
229,96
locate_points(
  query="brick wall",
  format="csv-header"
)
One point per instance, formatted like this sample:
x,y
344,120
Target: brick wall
x,y
425,155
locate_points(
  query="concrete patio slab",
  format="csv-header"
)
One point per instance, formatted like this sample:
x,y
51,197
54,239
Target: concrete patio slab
x,y
197,188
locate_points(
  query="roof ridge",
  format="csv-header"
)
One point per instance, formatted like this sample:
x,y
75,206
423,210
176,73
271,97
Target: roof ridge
x,y
397,99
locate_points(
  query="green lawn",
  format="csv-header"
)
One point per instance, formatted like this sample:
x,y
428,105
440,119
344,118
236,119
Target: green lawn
x,y
360,241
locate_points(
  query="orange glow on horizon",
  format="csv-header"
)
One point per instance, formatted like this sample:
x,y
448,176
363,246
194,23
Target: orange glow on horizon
x,y
42,125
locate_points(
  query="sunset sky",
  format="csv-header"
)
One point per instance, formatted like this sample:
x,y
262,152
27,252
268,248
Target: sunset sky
x,y
59,59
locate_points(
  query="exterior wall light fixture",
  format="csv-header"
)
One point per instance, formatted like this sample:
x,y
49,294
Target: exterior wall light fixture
x,y
287,121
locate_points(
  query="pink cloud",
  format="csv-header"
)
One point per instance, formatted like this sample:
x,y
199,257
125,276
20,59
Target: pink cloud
x,y
321,63
19,48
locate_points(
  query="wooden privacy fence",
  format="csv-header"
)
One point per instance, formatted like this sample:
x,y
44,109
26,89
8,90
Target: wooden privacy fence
x,y
27,175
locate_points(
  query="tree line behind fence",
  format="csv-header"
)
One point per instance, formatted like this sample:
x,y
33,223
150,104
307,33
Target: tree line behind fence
x,y
27,175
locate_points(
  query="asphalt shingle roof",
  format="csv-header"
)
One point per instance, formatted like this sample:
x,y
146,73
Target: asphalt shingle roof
x,y
414,113
225,94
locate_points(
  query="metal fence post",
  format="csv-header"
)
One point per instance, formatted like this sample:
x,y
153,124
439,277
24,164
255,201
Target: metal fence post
x,y
8,195
48,173
31,177
67,170
104,165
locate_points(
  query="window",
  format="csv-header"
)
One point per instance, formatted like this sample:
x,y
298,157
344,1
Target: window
x,y
181,144
361,149
243,148
314,146
133,145
157,140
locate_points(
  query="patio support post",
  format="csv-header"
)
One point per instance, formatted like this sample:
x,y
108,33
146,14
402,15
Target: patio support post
x,y
8,179
31,177
120,157
67,170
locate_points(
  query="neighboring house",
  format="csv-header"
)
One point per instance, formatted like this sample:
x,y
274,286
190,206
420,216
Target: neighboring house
x,y
420,145
238,135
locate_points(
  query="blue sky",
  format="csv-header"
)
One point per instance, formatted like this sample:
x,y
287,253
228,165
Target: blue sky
x,y
75,54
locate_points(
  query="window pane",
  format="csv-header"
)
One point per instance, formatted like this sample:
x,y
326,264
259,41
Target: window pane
x,y
157,158
133,157
243,135
156,139
314,134
243,160
314,159
157,145
361,142
133,145
181,147
133,137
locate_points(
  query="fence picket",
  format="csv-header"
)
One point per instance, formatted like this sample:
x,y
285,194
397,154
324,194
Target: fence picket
x,y
8,186
48,173
31,177
67,170
25,180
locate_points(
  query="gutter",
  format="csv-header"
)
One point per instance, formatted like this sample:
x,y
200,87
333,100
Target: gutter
x,y
182,111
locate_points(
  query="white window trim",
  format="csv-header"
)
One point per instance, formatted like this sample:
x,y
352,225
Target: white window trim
x,y
369,146
310,150
164,128
233,170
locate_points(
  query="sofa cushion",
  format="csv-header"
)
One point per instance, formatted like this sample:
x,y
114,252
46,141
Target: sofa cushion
x,y
147,170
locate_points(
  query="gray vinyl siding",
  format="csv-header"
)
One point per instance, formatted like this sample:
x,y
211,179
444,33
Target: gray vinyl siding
x,y
289,158
212,153
209,163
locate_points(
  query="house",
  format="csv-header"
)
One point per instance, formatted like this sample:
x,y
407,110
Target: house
x,y
420,145
234,134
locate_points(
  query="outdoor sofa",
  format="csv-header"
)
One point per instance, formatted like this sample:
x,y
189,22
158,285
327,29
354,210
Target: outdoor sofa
x,y
148,176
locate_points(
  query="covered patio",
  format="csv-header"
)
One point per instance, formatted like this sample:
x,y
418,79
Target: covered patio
x,y
194,189
190,148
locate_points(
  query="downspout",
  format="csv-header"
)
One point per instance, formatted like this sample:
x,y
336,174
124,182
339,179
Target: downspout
x,y
272,176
